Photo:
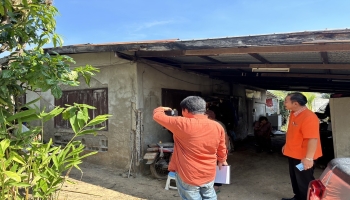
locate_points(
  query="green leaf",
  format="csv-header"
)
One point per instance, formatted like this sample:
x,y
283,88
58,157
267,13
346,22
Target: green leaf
x,y
87,106
55,162
43,185
4,144
3,102
52,172
21,114
74,123
2,11
70,181
87,78
81,119
13,176
31,102
89,154
85,132
30,118
18,159
20,184
25,3
56,91
77,167
6,73
53,113
70,111
98,120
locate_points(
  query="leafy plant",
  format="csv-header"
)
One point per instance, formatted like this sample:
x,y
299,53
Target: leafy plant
x,y
30,168
35,167
281,95
310,96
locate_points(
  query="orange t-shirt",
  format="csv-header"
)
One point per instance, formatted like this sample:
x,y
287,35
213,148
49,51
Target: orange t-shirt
x,y
302,127
199,144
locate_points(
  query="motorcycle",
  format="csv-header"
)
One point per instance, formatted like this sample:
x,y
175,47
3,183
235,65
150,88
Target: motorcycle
x,y
158,157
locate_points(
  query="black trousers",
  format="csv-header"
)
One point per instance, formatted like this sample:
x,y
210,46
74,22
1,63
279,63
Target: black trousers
x,y
300,179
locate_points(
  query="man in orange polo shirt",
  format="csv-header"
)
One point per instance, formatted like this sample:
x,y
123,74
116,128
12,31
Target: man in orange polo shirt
x,y
199,147
302,144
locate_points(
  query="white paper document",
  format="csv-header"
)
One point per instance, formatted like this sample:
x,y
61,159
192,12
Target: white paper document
x,y
224,175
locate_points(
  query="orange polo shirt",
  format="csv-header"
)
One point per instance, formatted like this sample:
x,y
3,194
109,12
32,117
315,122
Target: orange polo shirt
x,y
303,125
199,144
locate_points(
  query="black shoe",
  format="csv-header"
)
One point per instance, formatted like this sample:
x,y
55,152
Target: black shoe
x,y
293,198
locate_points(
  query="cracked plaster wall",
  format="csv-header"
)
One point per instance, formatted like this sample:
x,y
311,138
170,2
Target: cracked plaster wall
x,y
119,76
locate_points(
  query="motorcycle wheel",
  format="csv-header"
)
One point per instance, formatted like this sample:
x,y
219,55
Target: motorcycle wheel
x,y
157,171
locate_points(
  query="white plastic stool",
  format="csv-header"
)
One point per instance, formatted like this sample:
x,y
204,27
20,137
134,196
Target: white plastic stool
x,y
171,176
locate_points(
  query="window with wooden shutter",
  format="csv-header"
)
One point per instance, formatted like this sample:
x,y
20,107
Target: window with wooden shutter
x,y
94,97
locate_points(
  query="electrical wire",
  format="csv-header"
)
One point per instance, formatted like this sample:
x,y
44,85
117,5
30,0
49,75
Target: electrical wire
x,y
178,78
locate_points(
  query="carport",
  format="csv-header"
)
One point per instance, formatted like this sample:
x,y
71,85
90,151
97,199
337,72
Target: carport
x,y
316,61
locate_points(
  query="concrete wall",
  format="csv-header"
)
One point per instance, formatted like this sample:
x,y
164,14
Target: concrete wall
x,y
246,107
120,77
259,106
274,109
136,88
152,78
241,130
340,109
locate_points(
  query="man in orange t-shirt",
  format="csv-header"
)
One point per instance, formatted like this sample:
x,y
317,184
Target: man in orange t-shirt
x,y
199,147
302,144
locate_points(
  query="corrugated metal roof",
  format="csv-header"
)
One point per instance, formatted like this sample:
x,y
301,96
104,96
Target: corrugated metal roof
x,y
339,57
131,42
323,56
293,57
238,58
193,59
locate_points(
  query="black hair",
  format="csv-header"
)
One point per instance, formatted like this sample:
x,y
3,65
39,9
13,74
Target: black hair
x,y
262,118
193,104
298,97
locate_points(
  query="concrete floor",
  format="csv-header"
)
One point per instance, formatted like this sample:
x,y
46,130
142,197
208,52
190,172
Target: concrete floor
x,y
260,176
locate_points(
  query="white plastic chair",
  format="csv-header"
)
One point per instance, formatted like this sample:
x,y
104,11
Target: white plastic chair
x,y
171,176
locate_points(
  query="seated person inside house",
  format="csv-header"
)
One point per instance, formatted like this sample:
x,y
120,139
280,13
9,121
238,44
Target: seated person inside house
x,y
262,133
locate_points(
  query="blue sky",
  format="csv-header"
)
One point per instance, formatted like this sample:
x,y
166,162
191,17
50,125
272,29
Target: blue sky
x,y
92,21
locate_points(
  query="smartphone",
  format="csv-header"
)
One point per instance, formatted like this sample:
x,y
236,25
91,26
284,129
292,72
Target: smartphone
x,y
300,166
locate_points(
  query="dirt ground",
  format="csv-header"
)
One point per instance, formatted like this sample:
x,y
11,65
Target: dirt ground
x,y
253,176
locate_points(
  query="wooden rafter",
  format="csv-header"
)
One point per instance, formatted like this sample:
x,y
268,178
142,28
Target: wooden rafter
x,y
282,75
324,56
173,53
210,59
302,66
164,60
323,76
245,66
291,82
259,57
215,66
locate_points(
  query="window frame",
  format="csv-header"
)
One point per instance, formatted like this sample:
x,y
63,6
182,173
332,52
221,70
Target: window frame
x,y
58,121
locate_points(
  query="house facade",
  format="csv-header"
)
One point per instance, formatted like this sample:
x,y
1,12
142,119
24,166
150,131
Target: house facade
x,y
137,77
129,91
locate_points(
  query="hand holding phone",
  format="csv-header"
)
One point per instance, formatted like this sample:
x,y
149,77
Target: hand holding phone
x,y
300,166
